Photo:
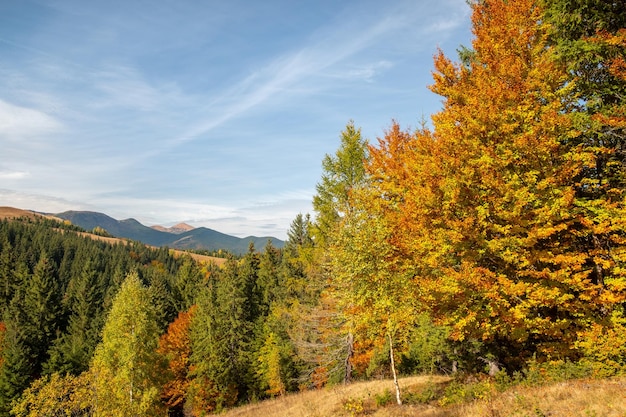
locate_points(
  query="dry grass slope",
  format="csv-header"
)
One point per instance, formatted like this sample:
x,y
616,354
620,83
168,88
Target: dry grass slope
x,y
588,398
585,398
15,213
342,400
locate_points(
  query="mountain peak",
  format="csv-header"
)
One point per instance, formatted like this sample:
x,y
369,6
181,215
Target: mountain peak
x,y
176,229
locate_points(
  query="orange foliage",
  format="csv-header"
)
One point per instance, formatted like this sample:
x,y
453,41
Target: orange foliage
x,y
483,210
175,345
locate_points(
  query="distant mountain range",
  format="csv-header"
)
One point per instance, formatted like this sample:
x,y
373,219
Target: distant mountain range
x,y
181,236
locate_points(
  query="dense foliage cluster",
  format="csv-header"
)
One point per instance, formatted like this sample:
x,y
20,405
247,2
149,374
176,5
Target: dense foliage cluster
x,y
492,240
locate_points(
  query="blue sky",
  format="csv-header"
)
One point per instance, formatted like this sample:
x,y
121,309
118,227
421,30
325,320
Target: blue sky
x,y
216,113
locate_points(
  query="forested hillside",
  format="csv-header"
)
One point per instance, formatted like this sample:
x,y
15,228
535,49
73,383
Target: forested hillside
x,y
490,242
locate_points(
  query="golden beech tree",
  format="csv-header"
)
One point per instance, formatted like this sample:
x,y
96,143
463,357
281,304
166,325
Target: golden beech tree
x,y
483,211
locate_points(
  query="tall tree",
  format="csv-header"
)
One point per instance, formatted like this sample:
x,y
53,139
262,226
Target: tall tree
x,y
484,208
186,285
372,285
73,350
220,336
17,367
42,301
126,368
591,41
270,285
342,173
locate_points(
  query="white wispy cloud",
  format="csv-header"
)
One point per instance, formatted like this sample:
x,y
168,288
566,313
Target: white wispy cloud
x,y
278,78
13,175
17,122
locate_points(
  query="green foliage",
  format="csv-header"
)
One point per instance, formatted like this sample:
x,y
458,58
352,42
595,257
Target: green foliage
x,y
458,391
187,284
429,349
270,281
57,288
127,370
221,333
432,392
383,399
496,239
342,173
540,373
72,351
16,369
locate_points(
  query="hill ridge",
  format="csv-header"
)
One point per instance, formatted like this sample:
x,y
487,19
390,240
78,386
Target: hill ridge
x,y
199,238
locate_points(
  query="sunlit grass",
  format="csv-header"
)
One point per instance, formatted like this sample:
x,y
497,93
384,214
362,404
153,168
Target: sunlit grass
x,y
588,398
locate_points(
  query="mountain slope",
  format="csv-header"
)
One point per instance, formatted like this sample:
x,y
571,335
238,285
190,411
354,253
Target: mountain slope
x,y
198,238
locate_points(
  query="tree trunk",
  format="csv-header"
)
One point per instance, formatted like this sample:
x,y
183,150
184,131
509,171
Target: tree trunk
x,y
393,370
348,362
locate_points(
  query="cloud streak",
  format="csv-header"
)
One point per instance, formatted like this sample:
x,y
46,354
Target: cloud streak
x,y
19,123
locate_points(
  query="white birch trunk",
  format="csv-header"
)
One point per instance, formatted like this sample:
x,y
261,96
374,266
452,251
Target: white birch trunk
x,y
393,370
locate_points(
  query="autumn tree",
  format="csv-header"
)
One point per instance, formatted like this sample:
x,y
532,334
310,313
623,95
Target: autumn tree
x,y
592,44
175,346
56,395
126,367
373,287
483,210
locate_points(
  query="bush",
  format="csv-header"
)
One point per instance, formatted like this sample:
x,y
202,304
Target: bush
x,y
384,398
432,392
460,392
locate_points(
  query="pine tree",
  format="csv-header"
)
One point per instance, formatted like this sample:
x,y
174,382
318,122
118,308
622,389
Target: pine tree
x,y
269,279
18,364
249,276
42,302
221,335
186,285
73,350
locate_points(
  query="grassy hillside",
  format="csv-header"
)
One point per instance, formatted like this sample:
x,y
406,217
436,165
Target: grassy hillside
x,y
424,396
